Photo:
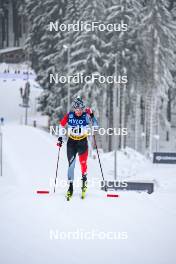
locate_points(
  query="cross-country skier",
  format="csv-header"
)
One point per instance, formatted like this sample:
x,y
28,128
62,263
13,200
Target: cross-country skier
x,y
78,122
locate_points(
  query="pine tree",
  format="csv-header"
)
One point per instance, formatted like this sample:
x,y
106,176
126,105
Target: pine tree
x,y
41,46
122,47
158,36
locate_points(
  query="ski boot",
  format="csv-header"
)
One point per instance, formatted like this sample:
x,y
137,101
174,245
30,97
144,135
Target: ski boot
x,y
70,191
84,186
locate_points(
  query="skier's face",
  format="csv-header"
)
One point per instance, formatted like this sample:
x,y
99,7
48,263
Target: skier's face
x,y
78,111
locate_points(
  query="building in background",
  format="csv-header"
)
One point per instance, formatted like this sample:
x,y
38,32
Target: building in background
x,y
13,31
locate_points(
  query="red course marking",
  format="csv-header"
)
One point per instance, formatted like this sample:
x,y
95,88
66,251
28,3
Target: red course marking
x,y
113,195
42,192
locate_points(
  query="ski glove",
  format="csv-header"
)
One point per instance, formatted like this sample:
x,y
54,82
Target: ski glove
x,y
59,142
89,112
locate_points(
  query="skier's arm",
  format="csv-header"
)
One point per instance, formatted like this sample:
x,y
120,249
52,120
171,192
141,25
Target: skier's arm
x,y
62,125
93,119
64,120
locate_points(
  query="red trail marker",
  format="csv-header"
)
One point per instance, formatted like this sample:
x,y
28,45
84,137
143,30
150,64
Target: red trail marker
x,y
42,192
113,195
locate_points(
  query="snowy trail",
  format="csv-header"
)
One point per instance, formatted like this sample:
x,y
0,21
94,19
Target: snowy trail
x,y
10,100
32,155
27,219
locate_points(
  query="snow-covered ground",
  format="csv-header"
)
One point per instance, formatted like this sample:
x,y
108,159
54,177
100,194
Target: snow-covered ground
x,y
48,229
28,219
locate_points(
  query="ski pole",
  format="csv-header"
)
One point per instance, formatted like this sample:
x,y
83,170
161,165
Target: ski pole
x,y
56,170
99,162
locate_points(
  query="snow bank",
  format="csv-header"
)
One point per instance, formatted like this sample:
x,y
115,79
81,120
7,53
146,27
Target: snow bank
x,y
129,164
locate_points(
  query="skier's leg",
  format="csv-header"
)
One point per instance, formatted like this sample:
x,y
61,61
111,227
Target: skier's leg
x,y
71,156
83,162
83,155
